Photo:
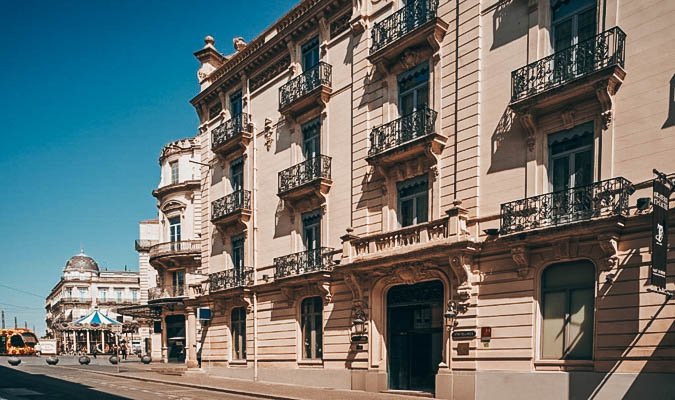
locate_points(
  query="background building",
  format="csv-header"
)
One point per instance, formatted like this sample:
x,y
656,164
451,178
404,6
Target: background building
x,y
84,288
436,196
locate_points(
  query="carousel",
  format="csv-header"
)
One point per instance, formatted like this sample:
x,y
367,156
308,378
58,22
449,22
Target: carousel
x,y
94,332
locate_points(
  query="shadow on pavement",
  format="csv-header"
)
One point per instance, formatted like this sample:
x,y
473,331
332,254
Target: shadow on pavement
x,y
17,384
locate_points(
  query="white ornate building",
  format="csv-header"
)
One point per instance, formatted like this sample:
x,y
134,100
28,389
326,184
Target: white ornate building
x,y
83,288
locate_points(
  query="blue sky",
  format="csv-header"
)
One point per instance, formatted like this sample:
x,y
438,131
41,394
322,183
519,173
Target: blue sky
x,y
91,90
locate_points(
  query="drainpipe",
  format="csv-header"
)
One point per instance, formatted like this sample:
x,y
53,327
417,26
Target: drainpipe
x,y
254,237
456,94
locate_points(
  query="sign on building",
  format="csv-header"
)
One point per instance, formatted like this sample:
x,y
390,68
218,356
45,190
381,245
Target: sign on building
x,y
662,189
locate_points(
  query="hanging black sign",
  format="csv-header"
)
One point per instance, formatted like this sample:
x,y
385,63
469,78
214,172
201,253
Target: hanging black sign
x,y
661,195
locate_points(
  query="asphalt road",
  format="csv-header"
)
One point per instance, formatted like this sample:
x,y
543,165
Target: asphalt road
x,y
62,382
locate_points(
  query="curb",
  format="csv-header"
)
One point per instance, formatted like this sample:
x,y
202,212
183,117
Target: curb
x,y
193,385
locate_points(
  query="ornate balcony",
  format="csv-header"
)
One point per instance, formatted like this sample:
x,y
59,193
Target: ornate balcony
x,y
230,279
186,253
232,136
310,89
407,138
232,211
593,67
304,262
598,200
157,294
306,184
415,29
75,300
185,186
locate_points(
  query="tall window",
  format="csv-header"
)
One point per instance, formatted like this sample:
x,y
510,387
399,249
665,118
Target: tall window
x,y
311,315
311,236
413,201
174,172
311,139
571,157
573,22
236,104
103,294
178,283
237,174
119,294
413,89
238,257
134,295
239,333
174,229
310,53
568,292
83,294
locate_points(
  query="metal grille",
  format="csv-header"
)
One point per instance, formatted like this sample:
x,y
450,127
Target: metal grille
x,y
400,131
413,15
601,51
600,199
304,172
320,259
305,83
229,129
224,206
231,278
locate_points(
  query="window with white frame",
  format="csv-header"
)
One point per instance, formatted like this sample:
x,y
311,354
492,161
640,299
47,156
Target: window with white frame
x,y
119,294
311,324
174,172
239,333
413,201
103,293
567,303
174,229
413,89
134,295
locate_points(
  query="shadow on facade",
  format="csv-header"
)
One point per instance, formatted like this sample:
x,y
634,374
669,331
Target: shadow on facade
x,y
509,22
218,173
506,144
49,387
283,137
670,121
283,223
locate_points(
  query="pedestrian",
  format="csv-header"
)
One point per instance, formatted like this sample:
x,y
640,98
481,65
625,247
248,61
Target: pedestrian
x,y
123,348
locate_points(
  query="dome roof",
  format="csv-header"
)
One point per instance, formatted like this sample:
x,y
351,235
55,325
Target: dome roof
x,y
81,262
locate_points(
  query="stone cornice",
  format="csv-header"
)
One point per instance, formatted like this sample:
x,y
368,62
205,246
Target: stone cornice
x,y
269,44
187,186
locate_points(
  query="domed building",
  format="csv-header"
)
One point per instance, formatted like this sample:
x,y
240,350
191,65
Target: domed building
x,y
84,288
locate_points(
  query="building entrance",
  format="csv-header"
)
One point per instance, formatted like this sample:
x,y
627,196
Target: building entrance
x,y
175,338
415,335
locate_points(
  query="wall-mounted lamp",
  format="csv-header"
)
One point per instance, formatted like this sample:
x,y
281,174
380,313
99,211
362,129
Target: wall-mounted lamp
x,y
454,308
491,231
359,334
265,277
643,204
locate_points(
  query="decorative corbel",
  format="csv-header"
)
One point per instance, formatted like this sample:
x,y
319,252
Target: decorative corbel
x,y
609,245
324,32
565,248
268,132
521,256
528,121
352,282
324,289
604,91
461,265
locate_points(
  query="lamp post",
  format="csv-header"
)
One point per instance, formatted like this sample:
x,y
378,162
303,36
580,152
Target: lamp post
x,y
454,308
359,334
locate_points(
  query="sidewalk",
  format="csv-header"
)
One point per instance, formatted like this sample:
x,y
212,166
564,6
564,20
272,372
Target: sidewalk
x,y
245,387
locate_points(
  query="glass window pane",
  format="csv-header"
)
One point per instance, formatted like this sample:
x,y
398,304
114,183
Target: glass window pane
x,y
406,104
580,331
406,212
422,97
583,168
553,325
422,208
586,24
561,173
569,275
562,34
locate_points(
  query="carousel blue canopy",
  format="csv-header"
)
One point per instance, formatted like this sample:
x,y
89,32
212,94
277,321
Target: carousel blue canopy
x,y
95,319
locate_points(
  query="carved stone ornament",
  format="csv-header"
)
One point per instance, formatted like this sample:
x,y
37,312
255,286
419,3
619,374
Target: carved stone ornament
x,y
352,282
461,266
527,120
268,134
609,244
565,248
409,59
521,256
567,117
239,44
409,273
320,288
244,300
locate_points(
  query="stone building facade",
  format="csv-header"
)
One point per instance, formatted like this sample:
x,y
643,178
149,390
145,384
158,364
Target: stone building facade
x,y
84,288
438,196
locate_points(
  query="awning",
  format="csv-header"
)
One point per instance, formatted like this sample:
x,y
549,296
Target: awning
x,y
96,319
153,311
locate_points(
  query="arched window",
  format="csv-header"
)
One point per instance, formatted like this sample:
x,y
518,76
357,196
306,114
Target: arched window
x,y
311,323
239,333
567,302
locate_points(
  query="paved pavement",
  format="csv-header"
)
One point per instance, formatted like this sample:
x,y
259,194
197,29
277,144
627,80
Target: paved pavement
x,y
137,381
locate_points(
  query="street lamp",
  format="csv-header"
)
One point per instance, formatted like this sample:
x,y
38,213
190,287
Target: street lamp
x,y
359,334
454,308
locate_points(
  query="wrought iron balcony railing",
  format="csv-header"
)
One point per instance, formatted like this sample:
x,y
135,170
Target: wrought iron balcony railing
x,y
413,15
601,199
157,293
604,50
241,199
400,131
304,172
304,262
231,278
230,129
305,83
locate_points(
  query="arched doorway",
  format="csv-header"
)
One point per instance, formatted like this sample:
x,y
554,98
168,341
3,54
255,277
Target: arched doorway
x,y
414,335
175,338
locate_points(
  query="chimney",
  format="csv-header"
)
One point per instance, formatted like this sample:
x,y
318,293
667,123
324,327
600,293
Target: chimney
x,y
209,60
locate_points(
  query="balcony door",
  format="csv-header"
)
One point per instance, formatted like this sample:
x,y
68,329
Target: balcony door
x,y
311,148
178,283
310,54
413,89
311,237
237,175
236,105
574,22
238,258
571,164
174,233
413,201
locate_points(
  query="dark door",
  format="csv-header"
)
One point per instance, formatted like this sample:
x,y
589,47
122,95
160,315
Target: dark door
x,y
175,337
236,104
310,54
415,335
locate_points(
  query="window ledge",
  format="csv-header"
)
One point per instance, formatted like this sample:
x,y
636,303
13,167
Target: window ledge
x,y
238,363
564,365
310,363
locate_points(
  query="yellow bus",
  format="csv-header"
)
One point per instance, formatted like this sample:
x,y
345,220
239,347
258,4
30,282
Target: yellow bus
x,y
19,342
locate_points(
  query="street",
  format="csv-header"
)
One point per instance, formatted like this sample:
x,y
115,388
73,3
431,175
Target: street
x,y
35,379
